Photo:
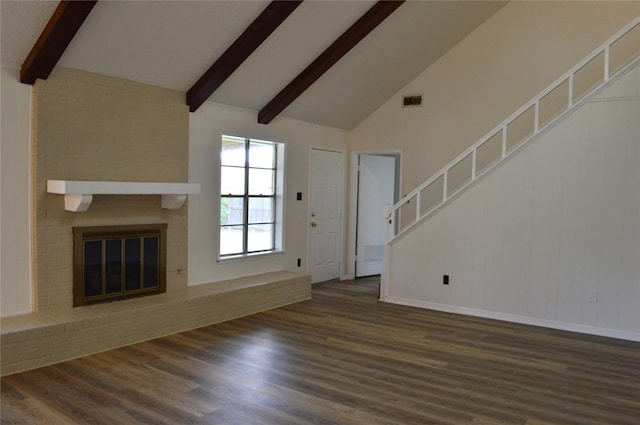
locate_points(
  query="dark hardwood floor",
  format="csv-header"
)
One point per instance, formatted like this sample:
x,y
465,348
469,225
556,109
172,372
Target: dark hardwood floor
x,y
341,358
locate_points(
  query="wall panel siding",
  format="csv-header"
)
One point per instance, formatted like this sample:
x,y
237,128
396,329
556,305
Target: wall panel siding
x,y
629,295
552,236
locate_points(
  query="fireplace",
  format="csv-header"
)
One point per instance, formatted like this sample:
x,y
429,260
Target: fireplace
x,y
118,262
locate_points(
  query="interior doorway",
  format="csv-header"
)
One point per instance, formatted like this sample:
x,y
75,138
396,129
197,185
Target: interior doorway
x,y
375,182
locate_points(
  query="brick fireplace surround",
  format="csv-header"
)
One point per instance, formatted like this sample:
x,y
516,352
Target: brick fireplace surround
x,y
93,127
98,128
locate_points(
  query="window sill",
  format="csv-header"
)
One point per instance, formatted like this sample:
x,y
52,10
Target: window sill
x,y
245,257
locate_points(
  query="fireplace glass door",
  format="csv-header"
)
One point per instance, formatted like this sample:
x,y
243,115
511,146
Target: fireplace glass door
x,y
117,262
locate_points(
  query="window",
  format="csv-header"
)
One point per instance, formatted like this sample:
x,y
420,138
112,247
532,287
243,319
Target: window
x,y
250,196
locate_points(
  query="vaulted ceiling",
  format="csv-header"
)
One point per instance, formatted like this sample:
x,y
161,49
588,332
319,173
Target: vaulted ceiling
x,y
172,44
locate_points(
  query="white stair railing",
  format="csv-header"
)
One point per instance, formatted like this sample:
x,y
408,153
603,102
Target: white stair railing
x,y
607,61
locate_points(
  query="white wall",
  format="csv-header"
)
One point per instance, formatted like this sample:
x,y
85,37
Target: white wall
x,y
552,237
205,128
15,268
491,73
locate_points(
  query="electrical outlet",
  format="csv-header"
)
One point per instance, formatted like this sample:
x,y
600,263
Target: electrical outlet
x,y
299,262
445,279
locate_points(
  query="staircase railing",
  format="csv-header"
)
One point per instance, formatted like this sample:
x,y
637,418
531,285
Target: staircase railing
x,y
550,106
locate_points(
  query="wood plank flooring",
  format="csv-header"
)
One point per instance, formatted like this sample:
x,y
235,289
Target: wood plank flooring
x,y
341,358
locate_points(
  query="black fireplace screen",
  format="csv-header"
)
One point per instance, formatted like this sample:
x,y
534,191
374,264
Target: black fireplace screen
x,y
117,262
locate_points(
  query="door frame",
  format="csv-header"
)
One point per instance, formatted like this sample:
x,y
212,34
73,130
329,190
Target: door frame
x,y
341,265
353,201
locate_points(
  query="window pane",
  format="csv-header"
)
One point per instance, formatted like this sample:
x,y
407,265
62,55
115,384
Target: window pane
x,y
260,210
248,195
231,211
151,262
132,263
262,154
261,182
231,181
260,237
92,268
231,240
113,272
233,151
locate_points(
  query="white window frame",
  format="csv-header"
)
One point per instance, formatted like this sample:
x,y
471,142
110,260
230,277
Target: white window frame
x,y
278,200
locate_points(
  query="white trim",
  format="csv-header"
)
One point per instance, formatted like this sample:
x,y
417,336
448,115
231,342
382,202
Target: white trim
x,y
524,320
33,292
248,257
280,198
353,211
76,187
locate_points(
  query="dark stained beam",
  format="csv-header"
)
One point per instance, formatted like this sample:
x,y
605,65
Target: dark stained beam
x,y
245,44
56,36
349,39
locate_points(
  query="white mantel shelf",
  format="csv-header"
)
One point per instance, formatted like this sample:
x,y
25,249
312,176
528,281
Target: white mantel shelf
x,y
78,195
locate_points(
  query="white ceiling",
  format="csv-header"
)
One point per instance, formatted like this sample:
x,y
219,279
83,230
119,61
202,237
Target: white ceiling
x,y
172,43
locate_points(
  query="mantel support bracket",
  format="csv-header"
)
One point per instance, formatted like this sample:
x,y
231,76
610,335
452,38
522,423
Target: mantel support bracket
x,y
77,203
173,202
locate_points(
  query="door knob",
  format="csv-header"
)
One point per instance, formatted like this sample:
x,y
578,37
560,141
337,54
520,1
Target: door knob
x,y
314,224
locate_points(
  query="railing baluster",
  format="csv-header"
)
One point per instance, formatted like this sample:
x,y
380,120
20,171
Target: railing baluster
x,y
606,63
388,217
536,117
473,164
444,186
504,141
570,100
417,206
395,228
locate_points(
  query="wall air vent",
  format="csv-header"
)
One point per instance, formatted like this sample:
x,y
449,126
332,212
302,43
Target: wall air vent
x,y
413,100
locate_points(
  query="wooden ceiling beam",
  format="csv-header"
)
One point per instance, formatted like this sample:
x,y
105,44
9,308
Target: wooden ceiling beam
x,y
54,39
239,51
349,39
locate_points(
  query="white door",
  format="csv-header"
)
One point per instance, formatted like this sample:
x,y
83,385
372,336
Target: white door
x,y
325,215
376,184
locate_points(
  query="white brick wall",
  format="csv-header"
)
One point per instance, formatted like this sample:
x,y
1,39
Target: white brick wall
x,y
93,127
39,339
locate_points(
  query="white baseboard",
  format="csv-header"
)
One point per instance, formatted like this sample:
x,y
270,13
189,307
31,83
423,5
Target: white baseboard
x,y
525,320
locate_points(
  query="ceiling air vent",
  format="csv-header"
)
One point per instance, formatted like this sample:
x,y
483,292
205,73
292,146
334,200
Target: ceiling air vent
x,y
414,100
